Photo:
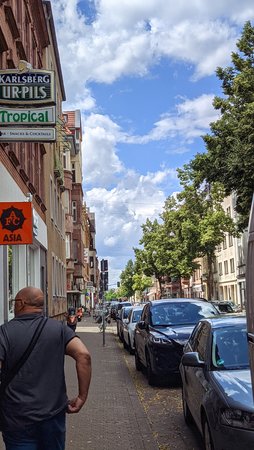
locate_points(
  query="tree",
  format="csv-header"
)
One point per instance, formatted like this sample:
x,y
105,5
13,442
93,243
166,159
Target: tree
x,y
141,282
230,145
151,259
126,277
198,223
111,295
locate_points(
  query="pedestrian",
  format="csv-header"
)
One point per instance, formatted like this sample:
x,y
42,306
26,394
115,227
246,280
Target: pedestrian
x,y
71,318
33,405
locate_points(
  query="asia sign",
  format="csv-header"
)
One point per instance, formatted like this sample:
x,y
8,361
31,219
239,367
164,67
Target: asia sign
x,y
16,223
31,87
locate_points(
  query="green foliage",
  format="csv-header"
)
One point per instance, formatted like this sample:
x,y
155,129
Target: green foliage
x,y
230,144
111,295
126,277
141,282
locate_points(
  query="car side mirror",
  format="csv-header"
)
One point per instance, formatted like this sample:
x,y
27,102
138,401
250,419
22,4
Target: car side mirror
x,y
191,359
142,325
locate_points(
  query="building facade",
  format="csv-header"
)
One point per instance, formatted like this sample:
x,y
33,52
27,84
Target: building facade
x,y
29,169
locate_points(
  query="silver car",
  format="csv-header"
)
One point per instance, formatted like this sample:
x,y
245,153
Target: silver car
x,y
129,328
216,383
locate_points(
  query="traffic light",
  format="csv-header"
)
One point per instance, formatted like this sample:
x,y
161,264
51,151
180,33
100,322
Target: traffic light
x,y
104,281
104,265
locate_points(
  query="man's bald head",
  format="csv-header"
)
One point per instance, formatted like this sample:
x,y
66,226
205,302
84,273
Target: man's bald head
x,y
29,299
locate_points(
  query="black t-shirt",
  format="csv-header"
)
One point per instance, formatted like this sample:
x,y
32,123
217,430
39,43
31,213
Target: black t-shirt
x,y
38,390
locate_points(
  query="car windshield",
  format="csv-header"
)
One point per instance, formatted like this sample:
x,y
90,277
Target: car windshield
x,y
136,315
180,313
224,307
230,348
126,311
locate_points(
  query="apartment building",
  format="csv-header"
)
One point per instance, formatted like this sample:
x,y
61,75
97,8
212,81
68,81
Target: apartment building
x,y
78,234
229,273
30,169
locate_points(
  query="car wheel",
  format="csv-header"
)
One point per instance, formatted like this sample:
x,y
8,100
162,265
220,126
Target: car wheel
x,y
129,345
150,375
138,364
207,436
186,412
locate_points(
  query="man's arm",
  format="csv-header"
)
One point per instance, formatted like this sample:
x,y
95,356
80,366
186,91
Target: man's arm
x,y
78,351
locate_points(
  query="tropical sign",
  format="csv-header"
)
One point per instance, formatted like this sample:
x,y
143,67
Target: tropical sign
x,y
28,116
16,223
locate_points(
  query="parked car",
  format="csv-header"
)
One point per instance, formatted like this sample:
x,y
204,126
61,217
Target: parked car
x,y
162,332
223,306
113,309
216,383
121,319
120,305
129,327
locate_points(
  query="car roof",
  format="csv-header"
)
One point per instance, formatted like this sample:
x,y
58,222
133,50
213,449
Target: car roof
x,y
175,300
225,320
138,307
221,302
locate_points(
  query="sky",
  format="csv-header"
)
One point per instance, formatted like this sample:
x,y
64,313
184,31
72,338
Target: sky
x,y
142,73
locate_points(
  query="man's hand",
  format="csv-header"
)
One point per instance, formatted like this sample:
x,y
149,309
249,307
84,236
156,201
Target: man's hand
x,y
75,405
78,351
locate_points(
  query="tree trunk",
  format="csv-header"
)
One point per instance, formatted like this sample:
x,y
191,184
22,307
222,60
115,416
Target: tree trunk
x,y
180,287
209,277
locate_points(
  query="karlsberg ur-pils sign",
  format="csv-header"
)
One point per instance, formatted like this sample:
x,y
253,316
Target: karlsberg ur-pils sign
x,y
27,97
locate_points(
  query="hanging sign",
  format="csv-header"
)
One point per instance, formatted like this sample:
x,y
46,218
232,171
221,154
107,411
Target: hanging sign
x,y
27,134
27,88
28,116
16,223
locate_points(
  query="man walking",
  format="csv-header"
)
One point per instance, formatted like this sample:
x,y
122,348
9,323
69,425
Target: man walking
x,y
34,403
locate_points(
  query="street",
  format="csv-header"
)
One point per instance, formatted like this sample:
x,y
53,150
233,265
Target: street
x,y
163,407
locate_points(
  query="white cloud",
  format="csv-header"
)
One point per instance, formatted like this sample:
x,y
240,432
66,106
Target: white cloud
x,y
191,119
126,38
139,33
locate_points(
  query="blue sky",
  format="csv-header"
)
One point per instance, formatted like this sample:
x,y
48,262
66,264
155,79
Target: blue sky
x,y
143,76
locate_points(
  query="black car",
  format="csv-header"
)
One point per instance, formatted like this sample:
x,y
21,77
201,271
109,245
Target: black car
x,y
163,331
216,379
223,306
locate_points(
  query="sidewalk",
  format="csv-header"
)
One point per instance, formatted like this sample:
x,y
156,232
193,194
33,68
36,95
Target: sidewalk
x,y
113,417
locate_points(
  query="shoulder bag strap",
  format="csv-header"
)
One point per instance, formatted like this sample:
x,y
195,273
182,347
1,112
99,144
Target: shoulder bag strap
x,y
11,374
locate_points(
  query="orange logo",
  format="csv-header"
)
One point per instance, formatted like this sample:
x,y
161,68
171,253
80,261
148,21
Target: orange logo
x,y
16,223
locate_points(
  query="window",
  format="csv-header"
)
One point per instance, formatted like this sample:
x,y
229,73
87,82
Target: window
x,y
228,211
226,267
232,265
74,211
68,246
230,240
200,343
51,199
225,242
73,172
220,269
91,261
